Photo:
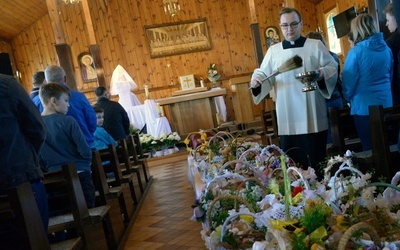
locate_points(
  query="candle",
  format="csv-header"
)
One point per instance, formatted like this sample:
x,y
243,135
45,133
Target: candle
x,y
160,110
146,91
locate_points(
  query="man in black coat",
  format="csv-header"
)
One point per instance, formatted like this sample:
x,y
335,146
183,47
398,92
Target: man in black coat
x,y
116,120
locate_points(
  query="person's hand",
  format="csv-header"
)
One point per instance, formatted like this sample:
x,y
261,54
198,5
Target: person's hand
x,y
255,82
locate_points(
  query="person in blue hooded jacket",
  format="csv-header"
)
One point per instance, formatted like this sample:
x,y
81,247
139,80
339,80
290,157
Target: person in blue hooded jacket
x,y
367,74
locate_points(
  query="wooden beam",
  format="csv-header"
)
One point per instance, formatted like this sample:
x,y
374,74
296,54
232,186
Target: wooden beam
x,y
253,13
65,59
54,14
88,20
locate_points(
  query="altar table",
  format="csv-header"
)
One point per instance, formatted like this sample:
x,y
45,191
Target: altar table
x,y
192,112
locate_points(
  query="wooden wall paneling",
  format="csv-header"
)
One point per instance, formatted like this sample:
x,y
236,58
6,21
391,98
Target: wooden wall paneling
x,y
129,24
43,46
307,11
35,45
73,15
268,15
103,33
22,62
239,59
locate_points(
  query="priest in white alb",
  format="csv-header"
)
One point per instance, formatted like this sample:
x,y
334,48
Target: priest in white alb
x,y
302,117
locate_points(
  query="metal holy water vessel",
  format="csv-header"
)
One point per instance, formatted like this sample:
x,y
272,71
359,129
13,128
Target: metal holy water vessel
x,y
309,79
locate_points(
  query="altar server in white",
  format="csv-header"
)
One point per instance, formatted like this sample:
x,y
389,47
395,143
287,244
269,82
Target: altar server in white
x,y
302,116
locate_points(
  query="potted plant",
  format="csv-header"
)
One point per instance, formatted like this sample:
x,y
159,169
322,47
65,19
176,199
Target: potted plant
x,y
171,140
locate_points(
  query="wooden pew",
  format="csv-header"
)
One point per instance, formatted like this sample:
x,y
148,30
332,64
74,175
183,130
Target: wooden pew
x,y
139,149
135,151
112,196
343,131
88,223
119,180
19,208
385,157
128,166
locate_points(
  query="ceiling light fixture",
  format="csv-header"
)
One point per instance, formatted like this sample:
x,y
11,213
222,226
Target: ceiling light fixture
x,y
171,7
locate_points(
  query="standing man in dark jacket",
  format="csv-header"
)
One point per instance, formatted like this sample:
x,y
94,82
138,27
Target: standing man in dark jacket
x,y
116,120
22,133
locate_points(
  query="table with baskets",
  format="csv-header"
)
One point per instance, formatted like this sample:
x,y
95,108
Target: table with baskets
x,y
250,196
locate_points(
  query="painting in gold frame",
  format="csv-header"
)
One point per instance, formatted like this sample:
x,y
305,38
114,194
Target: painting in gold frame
x,y
178,38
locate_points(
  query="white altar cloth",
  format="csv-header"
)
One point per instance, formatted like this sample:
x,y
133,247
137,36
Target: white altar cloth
x,y
220,106
137,116
155,124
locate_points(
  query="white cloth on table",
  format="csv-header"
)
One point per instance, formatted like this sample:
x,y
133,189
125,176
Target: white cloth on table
x,y
220,105
137,116
155,124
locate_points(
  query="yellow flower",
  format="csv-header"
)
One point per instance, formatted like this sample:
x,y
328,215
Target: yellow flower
x,y
247,218
316,246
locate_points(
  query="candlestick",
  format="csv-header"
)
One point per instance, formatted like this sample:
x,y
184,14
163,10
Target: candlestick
x,y
160,110
146,91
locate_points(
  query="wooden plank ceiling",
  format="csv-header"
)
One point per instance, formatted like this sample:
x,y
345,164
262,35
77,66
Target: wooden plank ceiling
x,y
17,15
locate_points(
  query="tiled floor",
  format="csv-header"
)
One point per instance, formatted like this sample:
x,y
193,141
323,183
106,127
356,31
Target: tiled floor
x,y
164,219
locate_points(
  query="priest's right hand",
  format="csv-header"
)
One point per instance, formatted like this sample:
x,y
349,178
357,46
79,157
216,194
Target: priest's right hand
x,y
255,82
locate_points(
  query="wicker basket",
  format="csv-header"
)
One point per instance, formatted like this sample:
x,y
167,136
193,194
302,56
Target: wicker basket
x,y
353,229
243,155
238,166
224,197
255,235
257,181
224,176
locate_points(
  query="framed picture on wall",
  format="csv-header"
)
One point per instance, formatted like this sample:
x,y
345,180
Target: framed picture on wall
x,y
272,36
87,68
177,38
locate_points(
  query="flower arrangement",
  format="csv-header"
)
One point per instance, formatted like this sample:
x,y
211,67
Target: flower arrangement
x,y
213,75
146,142
172,139
150,143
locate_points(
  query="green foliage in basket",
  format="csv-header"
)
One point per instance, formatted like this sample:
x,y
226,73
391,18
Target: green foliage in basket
x,y
299,241
253,194
245,239
220,213
315,215
315,225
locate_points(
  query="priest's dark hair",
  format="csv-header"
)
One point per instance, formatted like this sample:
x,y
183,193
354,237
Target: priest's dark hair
x,y
287,10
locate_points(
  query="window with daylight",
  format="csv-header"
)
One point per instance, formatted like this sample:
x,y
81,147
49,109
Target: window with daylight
x,y
333,41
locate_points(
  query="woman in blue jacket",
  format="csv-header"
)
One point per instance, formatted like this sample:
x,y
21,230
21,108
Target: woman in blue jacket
x,y
367,74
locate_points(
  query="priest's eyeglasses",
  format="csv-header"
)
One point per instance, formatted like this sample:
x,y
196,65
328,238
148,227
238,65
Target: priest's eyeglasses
x,y
292,25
